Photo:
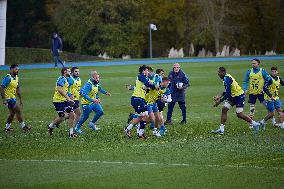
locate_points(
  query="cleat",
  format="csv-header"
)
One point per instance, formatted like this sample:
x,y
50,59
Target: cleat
x,y
127,133
93,126
142,136
277,125
168,122
218,131
26,128
262,125
72,135
79,131
183,122
163,131
158,134
256,128
50,130
250,126
8,129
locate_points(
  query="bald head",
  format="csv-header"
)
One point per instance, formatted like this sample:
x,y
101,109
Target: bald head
x,y
95,76
176,67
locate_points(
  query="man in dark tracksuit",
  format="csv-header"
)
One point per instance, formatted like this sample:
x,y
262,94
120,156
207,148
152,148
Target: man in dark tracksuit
x,y
178,85
56,47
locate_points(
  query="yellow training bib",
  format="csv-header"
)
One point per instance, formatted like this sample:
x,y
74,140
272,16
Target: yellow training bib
x,y
92,94
256,82
236,90
10,90
273,89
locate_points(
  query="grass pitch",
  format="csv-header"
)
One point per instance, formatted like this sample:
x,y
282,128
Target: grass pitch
x,y
187,157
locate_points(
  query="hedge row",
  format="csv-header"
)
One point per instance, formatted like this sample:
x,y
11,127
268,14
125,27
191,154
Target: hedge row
x,y
21,55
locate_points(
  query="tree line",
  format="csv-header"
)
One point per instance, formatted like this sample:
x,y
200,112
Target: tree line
x,y
121,27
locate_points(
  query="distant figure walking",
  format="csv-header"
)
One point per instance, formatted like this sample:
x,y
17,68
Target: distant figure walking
x,y
56,48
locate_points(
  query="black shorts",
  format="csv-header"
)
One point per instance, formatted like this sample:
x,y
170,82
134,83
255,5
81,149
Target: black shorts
x,y
63,107
76,104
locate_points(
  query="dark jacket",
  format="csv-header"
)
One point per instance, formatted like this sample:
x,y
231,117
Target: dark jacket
x,y
178,94
56,44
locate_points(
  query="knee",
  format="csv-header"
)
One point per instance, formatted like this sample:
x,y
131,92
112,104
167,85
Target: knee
x,y
100,113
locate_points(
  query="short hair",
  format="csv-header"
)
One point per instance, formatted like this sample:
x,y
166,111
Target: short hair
x,y
222,69
165,79
257,60
93,72
63,70
14,66
274,68
150,68
74,68
142,68
159,70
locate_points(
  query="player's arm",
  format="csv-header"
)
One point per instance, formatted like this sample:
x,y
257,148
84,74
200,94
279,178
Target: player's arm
x,y
265,75
265,87
169,96
145,81
5,82
103,91
281,81
225,95
85,91
245,86
59,86
18,92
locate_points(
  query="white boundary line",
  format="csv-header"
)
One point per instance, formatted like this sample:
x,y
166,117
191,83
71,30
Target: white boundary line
x,y
142,163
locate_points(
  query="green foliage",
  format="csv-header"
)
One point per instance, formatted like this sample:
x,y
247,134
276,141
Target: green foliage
x,y
237,159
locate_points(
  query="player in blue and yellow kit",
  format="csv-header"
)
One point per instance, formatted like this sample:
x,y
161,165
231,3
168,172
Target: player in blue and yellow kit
x,y
9,88
75,84
234,96
253,84
62,101
271,96
142,85
91,102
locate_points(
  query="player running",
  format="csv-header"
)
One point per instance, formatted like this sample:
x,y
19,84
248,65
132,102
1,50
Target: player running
x,y
91,102
63,103
138,101
234,96
74,88
9,88
271,96
253,85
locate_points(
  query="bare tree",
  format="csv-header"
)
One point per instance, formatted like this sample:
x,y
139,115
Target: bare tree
x,y
215,12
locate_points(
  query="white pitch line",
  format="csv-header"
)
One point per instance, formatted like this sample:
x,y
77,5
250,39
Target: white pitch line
x,y
143,163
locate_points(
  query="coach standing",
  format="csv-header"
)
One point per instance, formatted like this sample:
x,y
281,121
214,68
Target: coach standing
x,y
56,47
178,86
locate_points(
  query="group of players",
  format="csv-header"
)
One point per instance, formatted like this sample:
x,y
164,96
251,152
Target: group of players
x,y
150,96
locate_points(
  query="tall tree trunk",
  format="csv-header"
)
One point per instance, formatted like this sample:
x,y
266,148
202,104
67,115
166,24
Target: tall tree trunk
x,y
278,21
187,26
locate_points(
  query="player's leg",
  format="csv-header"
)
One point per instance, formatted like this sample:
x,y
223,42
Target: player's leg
x,y
151,115
19,116
183,111
270,106
77,111
227,105
252,101
98,109
170,113
85,115
10,120
55,58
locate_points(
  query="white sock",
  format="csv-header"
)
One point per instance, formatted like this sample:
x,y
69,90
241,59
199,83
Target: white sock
x,y
141,132
222,127
51,125
71,131
282,125
22,124
129,127
8,125
273,121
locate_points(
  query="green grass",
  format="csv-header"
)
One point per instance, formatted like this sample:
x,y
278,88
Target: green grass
x,y
236,160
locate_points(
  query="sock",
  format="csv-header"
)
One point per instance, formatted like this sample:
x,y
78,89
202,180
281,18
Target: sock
x,y
141,132
51,125
22,124
129,127
222,127
71,131
8,125
282,125
254,122
273,121
252,110
137,128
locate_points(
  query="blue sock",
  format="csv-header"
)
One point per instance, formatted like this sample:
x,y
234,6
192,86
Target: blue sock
x,y
152,126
